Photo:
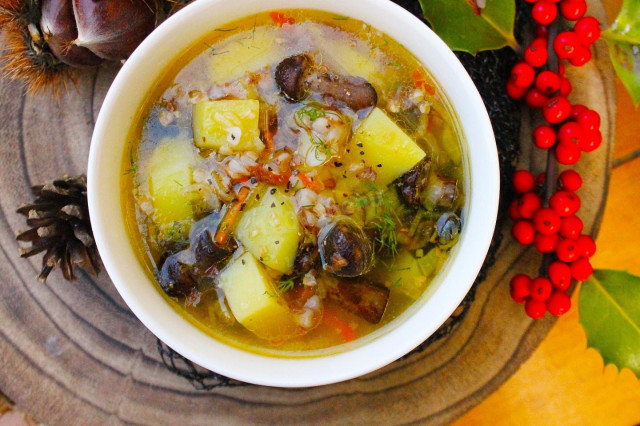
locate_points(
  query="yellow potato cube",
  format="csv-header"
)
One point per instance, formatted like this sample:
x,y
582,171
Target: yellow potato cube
x,y
270,230
170,170
380,144
254,300
238,55
403,274
227,126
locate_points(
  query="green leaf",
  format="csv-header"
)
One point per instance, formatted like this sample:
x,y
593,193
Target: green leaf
x,y
465,26
624,47
610,314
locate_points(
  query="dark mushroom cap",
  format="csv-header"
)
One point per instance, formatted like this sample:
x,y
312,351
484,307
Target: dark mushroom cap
x,y
345,249
290,76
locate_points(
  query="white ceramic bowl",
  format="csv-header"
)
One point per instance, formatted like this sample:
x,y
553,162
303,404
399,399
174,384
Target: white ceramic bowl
x,y
124,98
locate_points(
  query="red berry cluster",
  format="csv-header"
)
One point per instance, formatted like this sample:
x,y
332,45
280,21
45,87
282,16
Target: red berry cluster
x,y
549,221
555,231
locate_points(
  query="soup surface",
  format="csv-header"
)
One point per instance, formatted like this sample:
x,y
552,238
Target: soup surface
x,y
294,182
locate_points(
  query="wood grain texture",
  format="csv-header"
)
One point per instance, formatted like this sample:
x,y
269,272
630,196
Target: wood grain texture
x,y
74,353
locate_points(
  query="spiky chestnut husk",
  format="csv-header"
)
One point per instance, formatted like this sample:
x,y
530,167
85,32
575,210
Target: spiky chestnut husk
x,y
46,39
60,226
26,56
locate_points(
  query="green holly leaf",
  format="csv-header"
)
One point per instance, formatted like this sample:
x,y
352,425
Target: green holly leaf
x,y
610,314
466,25
624,47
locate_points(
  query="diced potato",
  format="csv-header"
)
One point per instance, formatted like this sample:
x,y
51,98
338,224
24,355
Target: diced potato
x,y
239,55
227,125
380,144
431,262
346,59
254,300
170,170
270,230
403,274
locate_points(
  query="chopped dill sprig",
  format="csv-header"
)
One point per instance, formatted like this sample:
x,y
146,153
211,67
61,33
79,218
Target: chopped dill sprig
x,y
320,148
310,110
213,51
286,285
133,165
386,220
224,30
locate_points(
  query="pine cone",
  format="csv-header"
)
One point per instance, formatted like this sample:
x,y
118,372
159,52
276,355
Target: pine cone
x,y
59,221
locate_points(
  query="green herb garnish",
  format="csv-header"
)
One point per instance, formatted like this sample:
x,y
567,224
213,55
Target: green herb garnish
x,y
226,29
286,285
133,165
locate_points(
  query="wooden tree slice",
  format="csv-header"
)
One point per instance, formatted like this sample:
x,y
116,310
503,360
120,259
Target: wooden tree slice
x,y
74,353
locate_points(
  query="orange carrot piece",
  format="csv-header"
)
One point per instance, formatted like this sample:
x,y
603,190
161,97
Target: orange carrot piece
x,y
313,184
332,320
230,217
280,18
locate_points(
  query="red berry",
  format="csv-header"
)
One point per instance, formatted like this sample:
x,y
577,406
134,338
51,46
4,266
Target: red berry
x,y
589,120
565,203
545,243
540,289
571,134
535,98
573,10
514,214
570,180
535,308
560,275
561,69
539,42
581,56
565,87
571,227
587,30
540,178
556,109
548,82
567,250
519,286
523,232
544,12
523,181
565,44
544,136
576,110
586,246
567,155
528,205
591,141
581,269
513,91
558,303
542,31
523,74
546,221
536,55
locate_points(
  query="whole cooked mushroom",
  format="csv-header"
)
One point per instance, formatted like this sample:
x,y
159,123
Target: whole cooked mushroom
x,y
345,250
297,77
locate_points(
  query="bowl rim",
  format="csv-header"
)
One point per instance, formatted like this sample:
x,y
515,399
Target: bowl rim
x,y
106,155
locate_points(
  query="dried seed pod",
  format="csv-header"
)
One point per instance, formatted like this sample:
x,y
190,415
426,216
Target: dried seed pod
x,y
60,226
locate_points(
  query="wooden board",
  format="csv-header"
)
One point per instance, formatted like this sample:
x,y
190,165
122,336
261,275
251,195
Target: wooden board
x,y
74,353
